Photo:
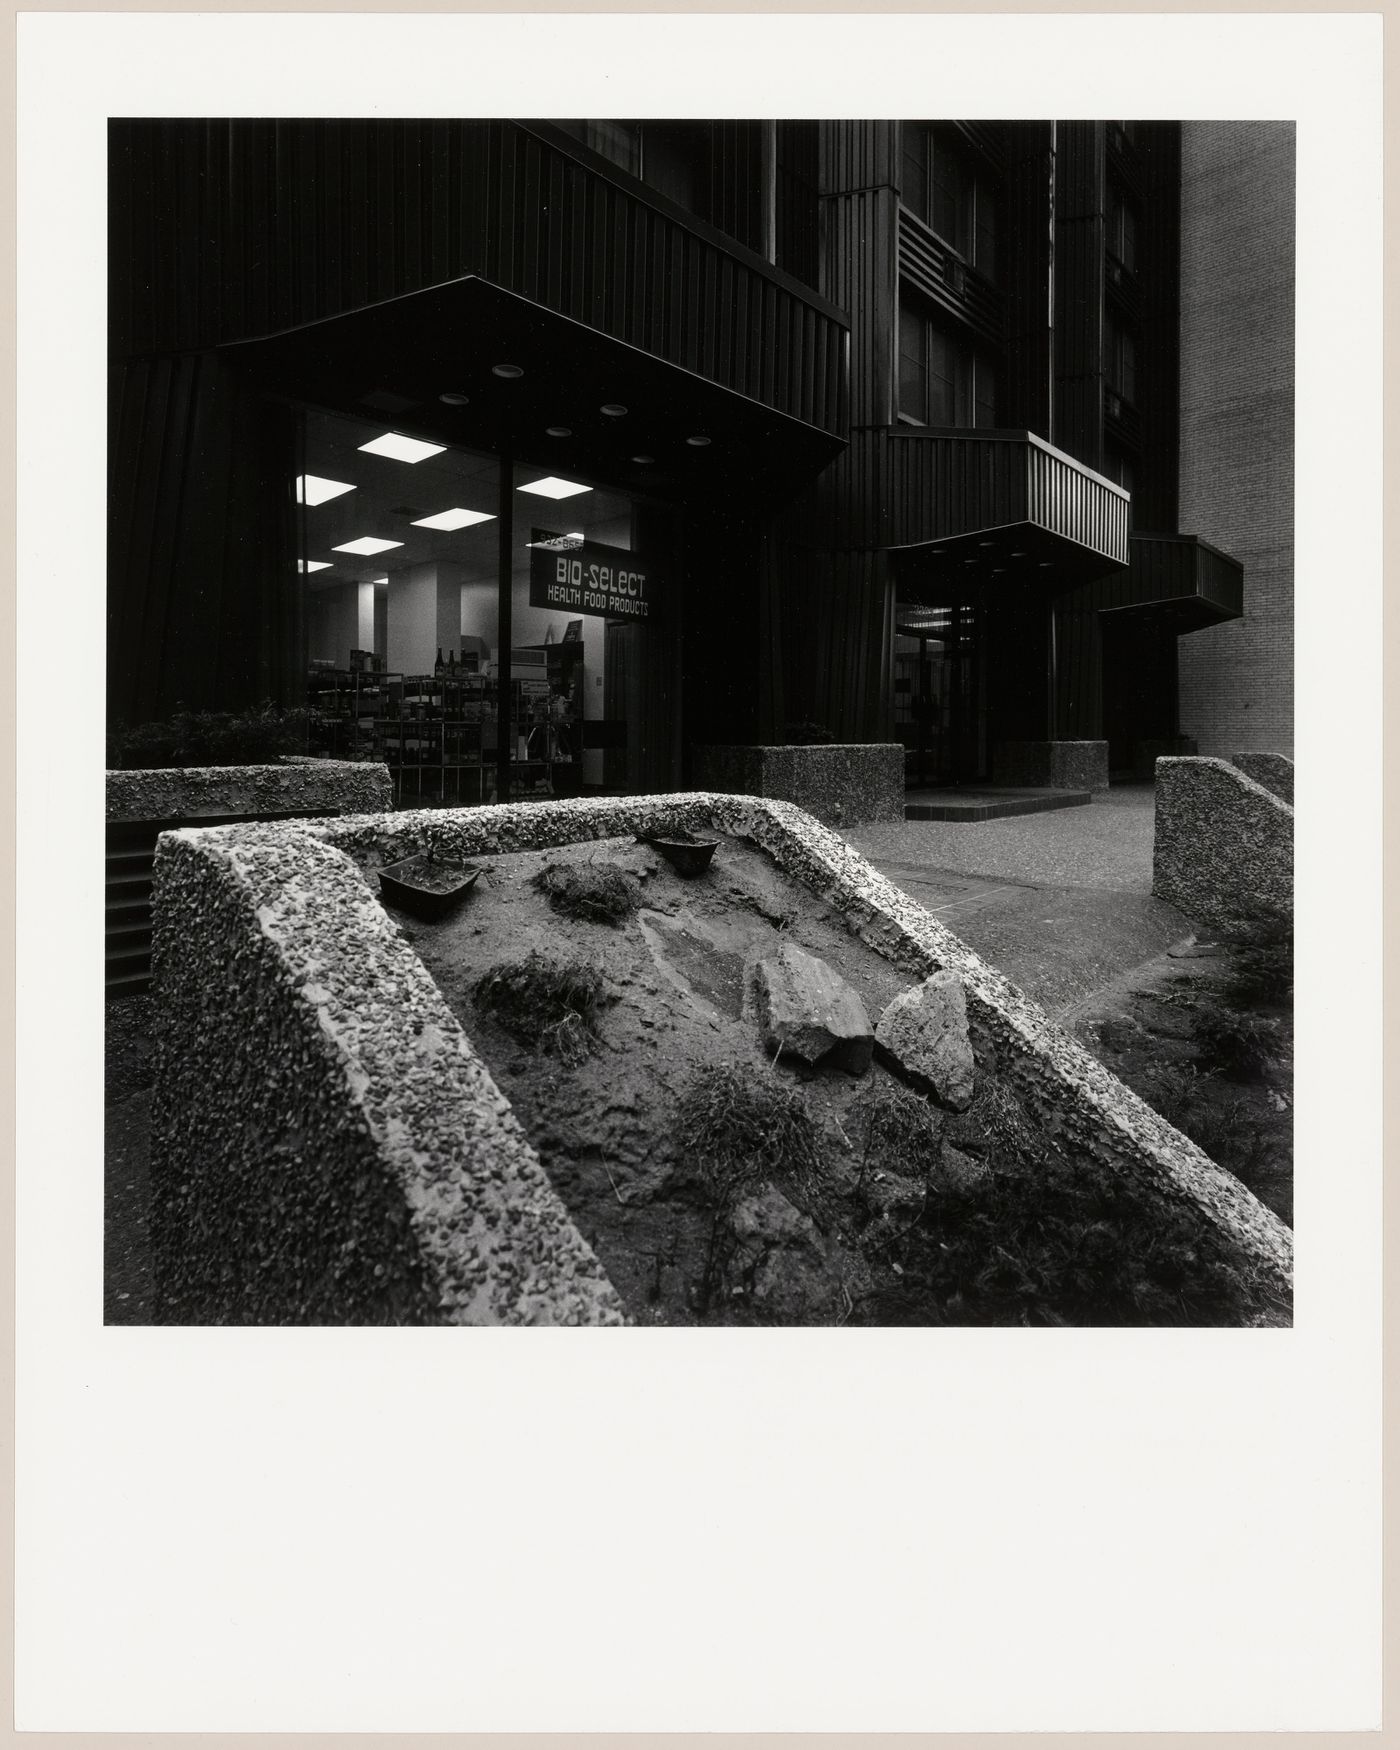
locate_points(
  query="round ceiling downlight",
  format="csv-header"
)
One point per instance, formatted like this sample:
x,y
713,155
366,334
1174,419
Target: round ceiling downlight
x,y
454,398
558,431
644,461
613,409
698,442
509,372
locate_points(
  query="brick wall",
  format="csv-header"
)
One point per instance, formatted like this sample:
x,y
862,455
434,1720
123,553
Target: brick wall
x,y
1237,252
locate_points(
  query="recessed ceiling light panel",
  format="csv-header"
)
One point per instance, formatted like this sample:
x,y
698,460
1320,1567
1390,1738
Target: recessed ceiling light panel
x,y
312,489
402,449
367,544
313,564
453,519
552,487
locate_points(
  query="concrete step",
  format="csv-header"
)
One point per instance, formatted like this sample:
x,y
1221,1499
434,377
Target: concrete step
x,y
988,804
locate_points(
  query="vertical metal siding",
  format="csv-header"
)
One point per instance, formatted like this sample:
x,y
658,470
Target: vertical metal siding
x,y
1079,291
226,230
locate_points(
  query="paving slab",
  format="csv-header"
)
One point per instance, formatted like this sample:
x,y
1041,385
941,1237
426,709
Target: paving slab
x,y
1060,902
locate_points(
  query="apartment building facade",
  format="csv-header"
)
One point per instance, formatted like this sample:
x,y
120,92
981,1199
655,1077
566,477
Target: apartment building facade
x,y
868,430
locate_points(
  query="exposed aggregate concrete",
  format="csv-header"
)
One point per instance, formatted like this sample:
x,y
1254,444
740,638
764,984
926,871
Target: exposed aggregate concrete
x,y
837,782
330,1043
298,786
1222,849
1273,770
1058,765
327,1147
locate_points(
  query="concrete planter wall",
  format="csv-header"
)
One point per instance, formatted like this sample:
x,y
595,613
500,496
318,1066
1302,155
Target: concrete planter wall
x,y
328,1147
838,783
1055,765
139,803
293,787
1272,770
1222,850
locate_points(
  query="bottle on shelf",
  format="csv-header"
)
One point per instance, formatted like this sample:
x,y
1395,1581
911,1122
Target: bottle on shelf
x,y
437,668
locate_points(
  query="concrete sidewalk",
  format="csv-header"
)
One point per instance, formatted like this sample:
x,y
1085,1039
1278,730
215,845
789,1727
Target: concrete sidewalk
x,y
1060,902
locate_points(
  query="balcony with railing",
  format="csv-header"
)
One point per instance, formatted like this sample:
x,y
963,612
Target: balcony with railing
x,y
1004,502
1181,579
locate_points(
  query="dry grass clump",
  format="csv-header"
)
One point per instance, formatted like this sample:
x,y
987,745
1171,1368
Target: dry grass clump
x,y
549,1005
902,1131
601,893
742,1128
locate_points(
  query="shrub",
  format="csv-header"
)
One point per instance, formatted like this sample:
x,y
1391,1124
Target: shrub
x,y
1261,976
210,738
598,892
1059,1246
550,1005
1236,1044
807,734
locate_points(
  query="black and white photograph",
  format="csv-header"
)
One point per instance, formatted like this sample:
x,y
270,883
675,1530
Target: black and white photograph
x,y
702,632
700,722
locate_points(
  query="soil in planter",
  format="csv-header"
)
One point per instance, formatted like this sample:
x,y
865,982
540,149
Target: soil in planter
x,y
719,1186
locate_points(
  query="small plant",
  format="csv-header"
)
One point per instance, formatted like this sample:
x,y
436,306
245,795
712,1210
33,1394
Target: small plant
x,y
550,1005
903,1133
1059,1246
1261,977
598,892
1240,1046
744,1127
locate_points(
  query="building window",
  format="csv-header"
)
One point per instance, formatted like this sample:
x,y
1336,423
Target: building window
x,y
1120,362
1122,230
675,162
943,378
619,142
942,187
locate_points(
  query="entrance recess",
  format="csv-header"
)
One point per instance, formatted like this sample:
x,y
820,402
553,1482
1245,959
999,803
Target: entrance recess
x,y
940,693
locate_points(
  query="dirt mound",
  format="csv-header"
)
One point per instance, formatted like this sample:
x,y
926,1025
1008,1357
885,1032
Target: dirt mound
x,y
720,1183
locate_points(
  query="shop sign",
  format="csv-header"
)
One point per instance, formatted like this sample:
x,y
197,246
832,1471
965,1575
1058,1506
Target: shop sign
x,y
585,577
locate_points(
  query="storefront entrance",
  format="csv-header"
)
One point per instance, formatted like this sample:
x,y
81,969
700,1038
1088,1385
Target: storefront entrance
x,y
404,548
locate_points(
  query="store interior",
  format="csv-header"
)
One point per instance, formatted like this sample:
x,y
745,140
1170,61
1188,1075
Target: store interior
x,y
400,554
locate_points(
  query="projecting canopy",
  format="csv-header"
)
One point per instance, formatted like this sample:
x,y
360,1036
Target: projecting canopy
x,y
396,360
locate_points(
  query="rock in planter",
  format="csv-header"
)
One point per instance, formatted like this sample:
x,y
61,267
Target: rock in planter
x,y
781,1264
959,1172
810,1011
923,1035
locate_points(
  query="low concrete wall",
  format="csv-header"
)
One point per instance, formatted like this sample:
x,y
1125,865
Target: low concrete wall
x,y
1057,765
326,1144
299,786
838,783
1222,849
326,1147
1272,770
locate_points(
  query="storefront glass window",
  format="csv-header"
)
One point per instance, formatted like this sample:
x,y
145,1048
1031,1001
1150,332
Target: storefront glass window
x,y
400,551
